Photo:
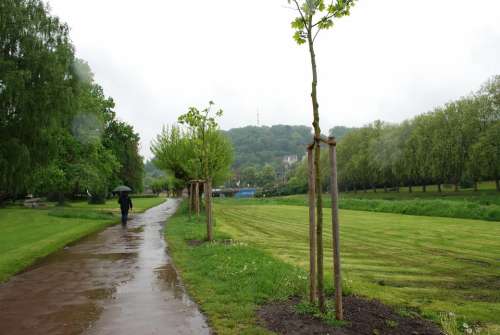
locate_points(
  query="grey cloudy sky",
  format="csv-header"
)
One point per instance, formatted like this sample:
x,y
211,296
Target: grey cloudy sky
x,y
390,60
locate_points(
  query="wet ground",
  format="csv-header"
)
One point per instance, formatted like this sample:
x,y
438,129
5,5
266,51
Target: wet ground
x,y
119,281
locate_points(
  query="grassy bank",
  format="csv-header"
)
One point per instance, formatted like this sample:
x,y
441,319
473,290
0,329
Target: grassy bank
x,y
467,205
429,264
27,235
229,281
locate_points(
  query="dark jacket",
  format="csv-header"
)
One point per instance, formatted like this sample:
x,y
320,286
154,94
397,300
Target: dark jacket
x,y
125,203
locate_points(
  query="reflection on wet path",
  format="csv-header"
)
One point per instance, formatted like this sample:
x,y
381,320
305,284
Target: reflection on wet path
x,y
119,281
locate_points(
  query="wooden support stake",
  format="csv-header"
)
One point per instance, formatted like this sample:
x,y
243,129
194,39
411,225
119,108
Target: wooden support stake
x,y
312,227
337,281
208,209
191,197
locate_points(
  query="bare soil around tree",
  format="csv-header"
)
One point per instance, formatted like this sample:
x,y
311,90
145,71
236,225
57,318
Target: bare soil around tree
x,y
362,316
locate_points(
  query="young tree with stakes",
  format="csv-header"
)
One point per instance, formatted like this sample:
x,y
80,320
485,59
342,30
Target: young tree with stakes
x,y
314,16
212,148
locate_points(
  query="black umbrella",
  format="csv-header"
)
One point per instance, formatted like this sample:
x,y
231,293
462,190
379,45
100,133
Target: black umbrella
x,y
122,188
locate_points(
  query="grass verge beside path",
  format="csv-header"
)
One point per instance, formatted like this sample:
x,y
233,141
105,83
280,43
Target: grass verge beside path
x,y
27,235
477,206
429,264
229,281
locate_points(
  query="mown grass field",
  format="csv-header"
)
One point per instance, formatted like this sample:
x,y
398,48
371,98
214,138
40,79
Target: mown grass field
x,y
27,235
430,264
482,205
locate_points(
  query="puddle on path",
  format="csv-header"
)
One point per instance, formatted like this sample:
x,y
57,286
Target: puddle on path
x,y
119,281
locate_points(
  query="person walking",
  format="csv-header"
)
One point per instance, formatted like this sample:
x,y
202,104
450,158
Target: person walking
x,y
125,205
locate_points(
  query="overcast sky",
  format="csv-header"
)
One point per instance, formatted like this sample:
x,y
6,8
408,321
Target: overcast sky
x,y
390,60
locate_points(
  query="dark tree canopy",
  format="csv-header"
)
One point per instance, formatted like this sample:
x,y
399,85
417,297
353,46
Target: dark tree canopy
x,y
58,132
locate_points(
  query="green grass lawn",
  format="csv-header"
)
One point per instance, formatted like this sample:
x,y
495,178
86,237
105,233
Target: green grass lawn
x,y
431,264
229,281
27,235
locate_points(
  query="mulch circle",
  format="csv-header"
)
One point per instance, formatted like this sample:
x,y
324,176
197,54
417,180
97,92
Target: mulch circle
x,y
364,317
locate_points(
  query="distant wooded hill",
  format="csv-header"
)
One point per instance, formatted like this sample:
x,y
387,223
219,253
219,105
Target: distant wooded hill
x,y
257,146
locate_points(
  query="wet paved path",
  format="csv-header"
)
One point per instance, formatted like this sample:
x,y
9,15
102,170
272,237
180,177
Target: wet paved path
x,y
119,281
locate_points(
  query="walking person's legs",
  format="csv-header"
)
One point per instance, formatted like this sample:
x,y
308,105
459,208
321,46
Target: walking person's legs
x,y
124,218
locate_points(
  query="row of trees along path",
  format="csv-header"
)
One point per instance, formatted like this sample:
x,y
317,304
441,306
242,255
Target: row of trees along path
x,y
314,16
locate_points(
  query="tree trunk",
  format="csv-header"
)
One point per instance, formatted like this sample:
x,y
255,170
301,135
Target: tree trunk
x,y
197,198
475,186
191,197
312,227
424,188
374,189
497,183
385,188
60,199
337,277
456,187
208,209
317,156
439,188
319,231
410,188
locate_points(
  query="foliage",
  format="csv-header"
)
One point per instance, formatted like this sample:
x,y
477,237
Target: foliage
x,y
257,146
340,131
58,132
213,151
175,154
36,86
194,151
160,185
457,144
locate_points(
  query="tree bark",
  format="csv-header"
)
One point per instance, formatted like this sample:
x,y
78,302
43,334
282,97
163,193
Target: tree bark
x,y
337,278
497,183
312,227
197,198
424,188
410,188
208,209
439,188
317,156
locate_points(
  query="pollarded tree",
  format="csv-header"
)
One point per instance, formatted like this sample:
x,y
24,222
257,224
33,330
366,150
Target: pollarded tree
x,y
212,149
314,16
175,154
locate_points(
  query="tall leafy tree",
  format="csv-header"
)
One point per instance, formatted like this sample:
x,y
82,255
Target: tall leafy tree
x,y
36,86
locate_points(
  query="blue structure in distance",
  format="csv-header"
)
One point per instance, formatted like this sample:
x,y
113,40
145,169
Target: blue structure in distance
x,y
246,193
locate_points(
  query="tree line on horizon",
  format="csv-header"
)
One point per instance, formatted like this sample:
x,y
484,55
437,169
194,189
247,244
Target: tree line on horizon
x,y
457,143
59,135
